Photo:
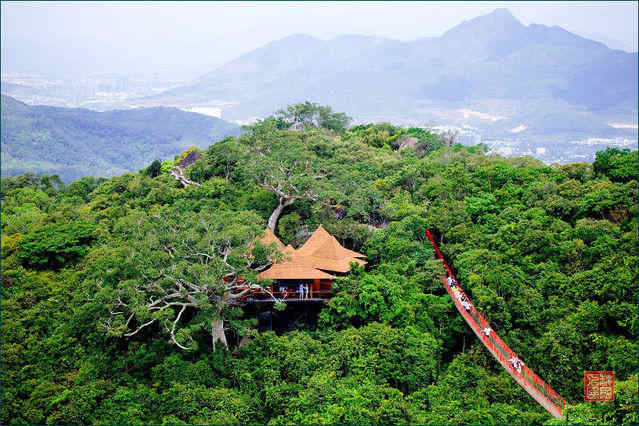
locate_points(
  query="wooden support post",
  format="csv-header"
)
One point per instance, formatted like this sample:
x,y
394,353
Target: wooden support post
x,y
270,319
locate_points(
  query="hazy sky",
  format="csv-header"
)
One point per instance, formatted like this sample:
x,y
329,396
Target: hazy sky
x,y
185,40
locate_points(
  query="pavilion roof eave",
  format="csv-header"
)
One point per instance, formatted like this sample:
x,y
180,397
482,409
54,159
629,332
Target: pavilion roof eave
x,y
294,271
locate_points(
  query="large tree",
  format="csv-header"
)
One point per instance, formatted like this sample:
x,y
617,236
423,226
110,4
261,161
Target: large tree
x,y
178,272
309,114
284,163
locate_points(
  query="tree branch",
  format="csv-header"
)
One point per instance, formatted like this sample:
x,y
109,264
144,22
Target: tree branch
x,y
146,324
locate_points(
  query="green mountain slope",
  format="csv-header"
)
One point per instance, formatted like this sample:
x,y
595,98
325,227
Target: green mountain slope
x,y
78,142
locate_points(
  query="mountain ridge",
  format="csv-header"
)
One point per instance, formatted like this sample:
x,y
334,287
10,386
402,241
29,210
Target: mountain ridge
x,y
74,142
489,57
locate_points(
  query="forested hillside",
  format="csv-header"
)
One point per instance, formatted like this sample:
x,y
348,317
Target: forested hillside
x,y
547,253
73,143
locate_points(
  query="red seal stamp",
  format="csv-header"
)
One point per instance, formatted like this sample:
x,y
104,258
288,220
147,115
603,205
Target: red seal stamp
x,y
599,386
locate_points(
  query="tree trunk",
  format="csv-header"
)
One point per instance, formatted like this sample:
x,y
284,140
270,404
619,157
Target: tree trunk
x,y
180,176
217,333
283,203
245,341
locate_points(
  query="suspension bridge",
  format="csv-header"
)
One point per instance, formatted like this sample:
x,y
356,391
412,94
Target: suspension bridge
x,y
527,379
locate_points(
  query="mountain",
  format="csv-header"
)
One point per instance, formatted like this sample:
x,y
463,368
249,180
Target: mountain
x,y
488,59
77,142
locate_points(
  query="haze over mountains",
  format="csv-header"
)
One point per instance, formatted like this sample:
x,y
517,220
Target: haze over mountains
x,y
522,89
507,74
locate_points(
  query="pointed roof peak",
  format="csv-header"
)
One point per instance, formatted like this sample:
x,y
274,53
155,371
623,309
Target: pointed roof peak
x,y
268,237
321,251
321,228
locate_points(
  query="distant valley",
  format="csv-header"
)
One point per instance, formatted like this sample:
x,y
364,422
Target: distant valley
x,y
79,142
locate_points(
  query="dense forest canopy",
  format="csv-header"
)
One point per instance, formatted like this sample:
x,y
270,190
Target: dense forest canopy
x,y
547,253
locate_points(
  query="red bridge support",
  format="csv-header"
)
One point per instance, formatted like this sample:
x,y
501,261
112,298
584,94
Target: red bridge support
x,y
527,379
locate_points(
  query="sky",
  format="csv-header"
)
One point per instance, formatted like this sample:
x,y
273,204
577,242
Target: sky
x,y
184,40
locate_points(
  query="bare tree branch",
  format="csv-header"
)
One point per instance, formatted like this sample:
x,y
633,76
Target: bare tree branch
x,y
143,326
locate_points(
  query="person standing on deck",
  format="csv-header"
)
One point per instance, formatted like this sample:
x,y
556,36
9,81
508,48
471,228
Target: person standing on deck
x,y
300,290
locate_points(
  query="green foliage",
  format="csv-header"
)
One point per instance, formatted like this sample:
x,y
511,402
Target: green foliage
x,y
548,254
77,142
623,410
386,135
48,184
377,135
307,114
154,169
165,167
54,246
619,165
288,226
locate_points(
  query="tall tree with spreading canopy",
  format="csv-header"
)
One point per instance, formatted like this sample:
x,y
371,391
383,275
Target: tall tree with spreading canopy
x,y
180,272
284,163
309,114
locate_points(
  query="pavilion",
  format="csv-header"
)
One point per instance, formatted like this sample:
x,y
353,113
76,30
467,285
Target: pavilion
x,y
317,263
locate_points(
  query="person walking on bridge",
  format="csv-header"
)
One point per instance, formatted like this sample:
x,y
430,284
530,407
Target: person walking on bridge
x,y
516,362
451,281
457,293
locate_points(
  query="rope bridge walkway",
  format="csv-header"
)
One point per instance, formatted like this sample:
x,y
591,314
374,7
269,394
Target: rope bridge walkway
x,y
527,379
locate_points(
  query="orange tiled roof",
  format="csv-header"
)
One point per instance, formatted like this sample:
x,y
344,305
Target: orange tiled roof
x,y
293,271
324,245
353,253
321,252
288,252
334,265
267,238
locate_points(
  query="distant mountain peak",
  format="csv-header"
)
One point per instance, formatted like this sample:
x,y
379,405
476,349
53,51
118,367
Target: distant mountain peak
x,y
299,37
498,20
503,13
500,16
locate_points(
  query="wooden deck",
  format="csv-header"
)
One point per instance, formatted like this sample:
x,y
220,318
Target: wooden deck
x,y
261,297
287,300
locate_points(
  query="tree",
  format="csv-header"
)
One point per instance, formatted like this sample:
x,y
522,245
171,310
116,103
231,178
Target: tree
x,y
154,169
335,121
54,246
307,114
180,271
377,135
619,165
281,162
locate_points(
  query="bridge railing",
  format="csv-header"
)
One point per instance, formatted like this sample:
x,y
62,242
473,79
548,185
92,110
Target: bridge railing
x,y
492,340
